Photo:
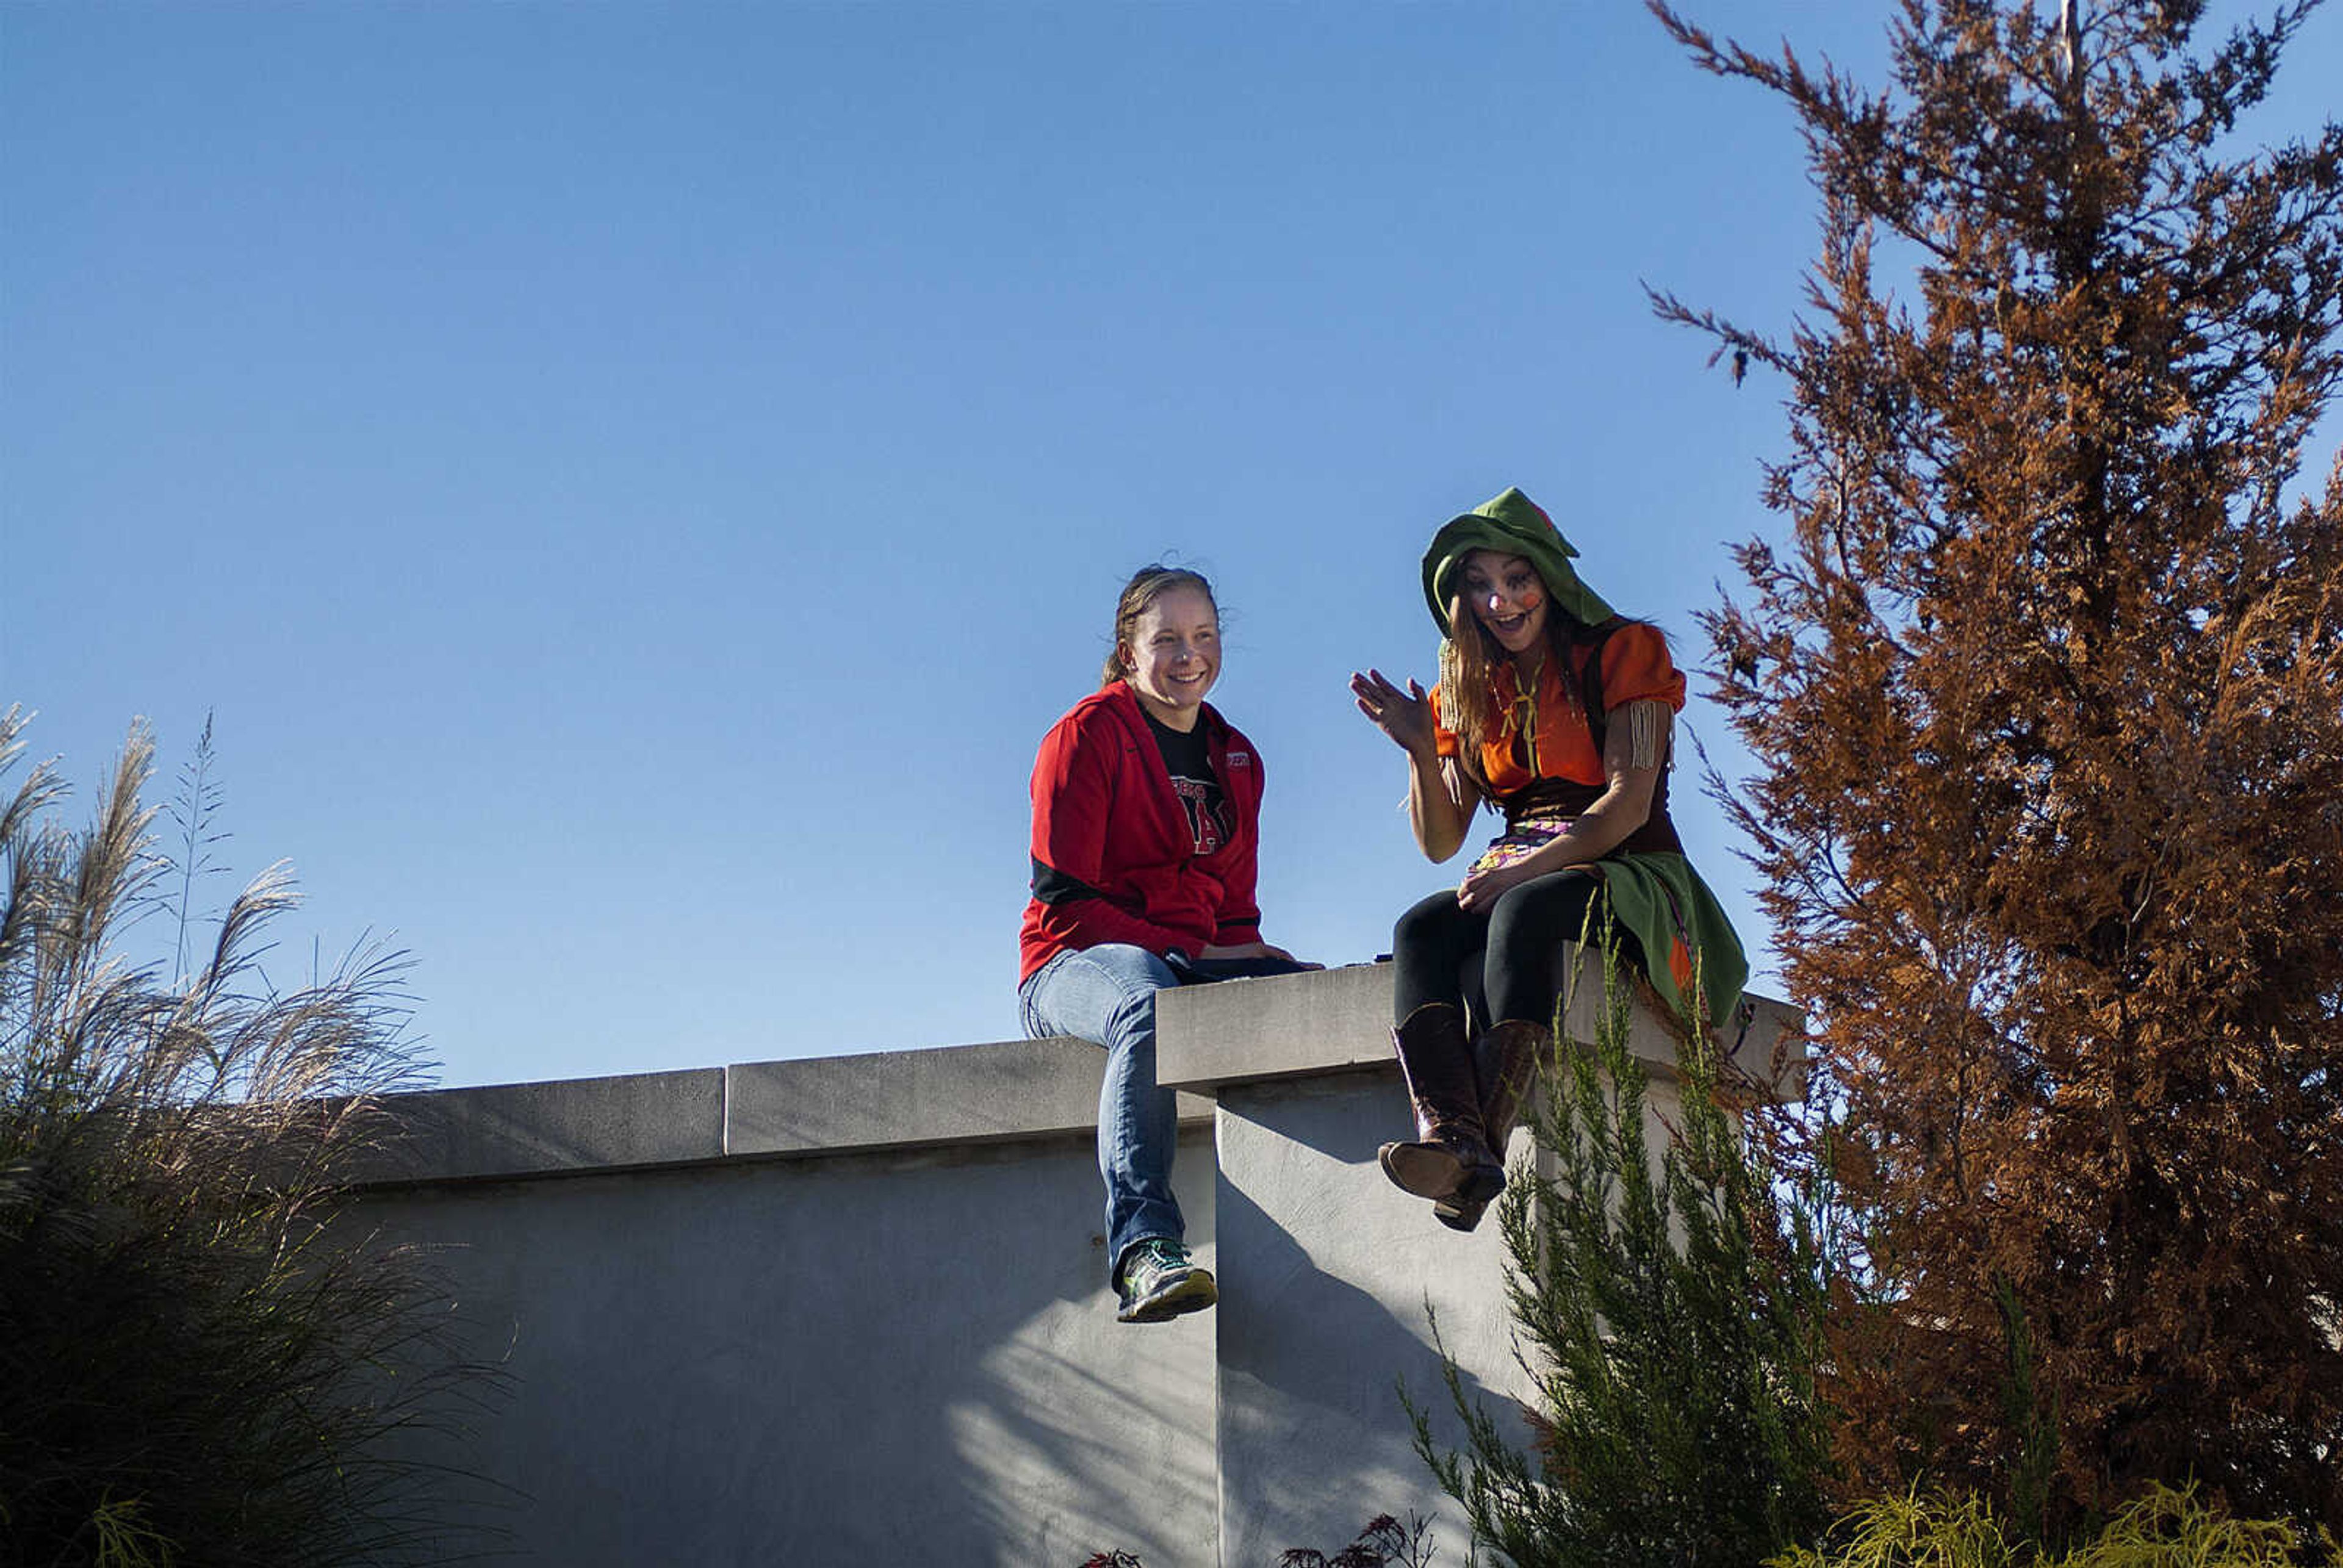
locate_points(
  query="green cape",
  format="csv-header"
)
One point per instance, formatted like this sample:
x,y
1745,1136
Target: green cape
x,y
1648,891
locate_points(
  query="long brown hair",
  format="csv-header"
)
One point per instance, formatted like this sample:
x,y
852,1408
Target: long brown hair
x,y
1147,585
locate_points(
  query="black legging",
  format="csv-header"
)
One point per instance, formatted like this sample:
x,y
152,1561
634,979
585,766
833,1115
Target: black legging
x,y
1516,943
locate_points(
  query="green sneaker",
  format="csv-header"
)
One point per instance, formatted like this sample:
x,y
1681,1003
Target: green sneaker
x,y
1161,1280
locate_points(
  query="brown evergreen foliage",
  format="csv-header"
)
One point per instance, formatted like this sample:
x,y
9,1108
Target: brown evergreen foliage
x,y
2047,690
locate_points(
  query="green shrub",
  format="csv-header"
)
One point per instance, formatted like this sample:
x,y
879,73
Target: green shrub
x,y
1671,1311
2162,1529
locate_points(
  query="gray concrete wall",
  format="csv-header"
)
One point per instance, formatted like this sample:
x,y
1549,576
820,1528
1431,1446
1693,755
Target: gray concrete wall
x,y
853,1310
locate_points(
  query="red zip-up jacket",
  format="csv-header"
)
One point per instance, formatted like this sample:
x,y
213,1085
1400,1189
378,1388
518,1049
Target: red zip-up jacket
x,y
1114,859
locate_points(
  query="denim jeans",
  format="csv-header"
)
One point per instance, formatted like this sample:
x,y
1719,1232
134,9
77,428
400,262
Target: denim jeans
x,y
1106,995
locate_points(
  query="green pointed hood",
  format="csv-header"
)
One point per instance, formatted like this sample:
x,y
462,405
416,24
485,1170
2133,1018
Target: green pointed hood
x,y
1513,525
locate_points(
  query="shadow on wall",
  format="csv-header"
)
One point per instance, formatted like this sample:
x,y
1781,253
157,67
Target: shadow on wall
x,y
1077,1433
1315,1339
1075,1460
873,1358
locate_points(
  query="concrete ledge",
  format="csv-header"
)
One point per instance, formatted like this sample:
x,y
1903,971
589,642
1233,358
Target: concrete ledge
x,y
1290,1026
562,1126
1250,1031
957,1095
1239,1031
897,1098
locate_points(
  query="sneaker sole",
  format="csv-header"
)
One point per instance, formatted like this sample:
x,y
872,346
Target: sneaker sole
x,y
1192,1292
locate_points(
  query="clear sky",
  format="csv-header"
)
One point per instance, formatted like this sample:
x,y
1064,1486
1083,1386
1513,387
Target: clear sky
x,y
633,482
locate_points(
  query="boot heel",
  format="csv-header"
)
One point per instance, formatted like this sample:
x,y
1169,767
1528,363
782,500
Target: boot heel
x,y
1421,1170
1480,1186
1509,1058
1435,1058
1459,1216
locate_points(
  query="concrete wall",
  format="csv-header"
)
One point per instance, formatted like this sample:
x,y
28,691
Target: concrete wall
x,y
854,1310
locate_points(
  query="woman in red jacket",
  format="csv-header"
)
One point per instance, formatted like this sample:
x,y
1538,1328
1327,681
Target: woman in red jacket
x,y
1146,816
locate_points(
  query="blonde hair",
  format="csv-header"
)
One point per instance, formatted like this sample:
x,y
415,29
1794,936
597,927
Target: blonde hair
x,y
1468,687
1147,585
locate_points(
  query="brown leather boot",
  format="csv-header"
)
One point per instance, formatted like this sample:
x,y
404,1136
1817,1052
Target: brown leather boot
x,y
1507,1058
1451,1158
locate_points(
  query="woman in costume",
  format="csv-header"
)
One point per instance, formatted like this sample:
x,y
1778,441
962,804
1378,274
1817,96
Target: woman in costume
x,y
1559,714
1146,817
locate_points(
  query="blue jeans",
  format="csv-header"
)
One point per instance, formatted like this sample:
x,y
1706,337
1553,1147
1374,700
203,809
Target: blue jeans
x,y
1106,995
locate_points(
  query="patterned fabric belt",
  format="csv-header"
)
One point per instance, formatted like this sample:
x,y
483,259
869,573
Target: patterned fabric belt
x,y
1520,840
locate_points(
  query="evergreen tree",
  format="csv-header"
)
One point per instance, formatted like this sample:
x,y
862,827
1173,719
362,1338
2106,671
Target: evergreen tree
x,y
2046,690
1669,1302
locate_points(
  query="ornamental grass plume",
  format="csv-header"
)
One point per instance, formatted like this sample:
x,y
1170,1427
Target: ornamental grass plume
x,y
196,1365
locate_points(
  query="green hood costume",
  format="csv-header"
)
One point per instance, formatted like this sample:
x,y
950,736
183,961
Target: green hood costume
x,y
1657,896
1513,525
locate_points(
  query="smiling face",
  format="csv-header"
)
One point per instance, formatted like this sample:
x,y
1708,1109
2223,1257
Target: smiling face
x,y
1508,597
1174,655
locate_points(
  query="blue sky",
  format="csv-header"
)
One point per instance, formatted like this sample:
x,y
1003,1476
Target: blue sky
x,y
633,483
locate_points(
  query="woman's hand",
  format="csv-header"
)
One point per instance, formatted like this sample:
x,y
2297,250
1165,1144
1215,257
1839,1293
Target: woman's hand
x,y
1482,890
1253,950
1439,800
1404,716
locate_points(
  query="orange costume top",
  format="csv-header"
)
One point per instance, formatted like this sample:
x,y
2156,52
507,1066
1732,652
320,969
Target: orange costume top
x,y
1551,742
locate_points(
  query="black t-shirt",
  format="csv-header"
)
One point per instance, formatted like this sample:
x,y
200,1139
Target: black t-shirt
x,y
1189,760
